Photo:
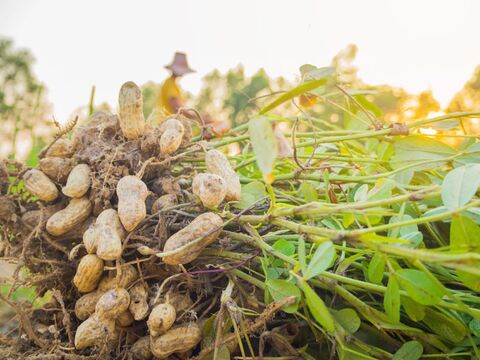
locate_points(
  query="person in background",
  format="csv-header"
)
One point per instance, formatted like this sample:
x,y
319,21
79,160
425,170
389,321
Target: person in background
x,y
170,98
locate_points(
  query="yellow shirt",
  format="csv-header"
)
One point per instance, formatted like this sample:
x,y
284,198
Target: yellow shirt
x,y
168,90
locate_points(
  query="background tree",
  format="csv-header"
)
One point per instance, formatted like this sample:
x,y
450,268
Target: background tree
x,y
23,104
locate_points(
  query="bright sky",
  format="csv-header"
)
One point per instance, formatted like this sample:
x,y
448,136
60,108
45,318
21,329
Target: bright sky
x,y
415,44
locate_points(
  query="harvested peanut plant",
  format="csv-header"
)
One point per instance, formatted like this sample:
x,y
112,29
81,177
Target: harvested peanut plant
x,y
318,242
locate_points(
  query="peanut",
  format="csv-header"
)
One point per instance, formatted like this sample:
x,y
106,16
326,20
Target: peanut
x,y
76,212
181,302
85,306
112,303
56,168
179,339
95,331
161,319
127,277
38,184
61,148
78,181
202,225
89,240
131,192
210,188
138,302
88,273
125,319
132,121
108,233
140,350
218,164
171,138
163,202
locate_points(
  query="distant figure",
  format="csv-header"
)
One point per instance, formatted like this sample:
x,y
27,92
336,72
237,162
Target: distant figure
x,y
170,98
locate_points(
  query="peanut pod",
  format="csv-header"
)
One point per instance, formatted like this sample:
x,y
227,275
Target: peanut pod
x,y
85,306
132,121
95,331
210,188
78,181
140,350
163,202
89,272
108,235
112,303
62,148
76,212
128,275
198,228
217,163
131,192
138,301
56,168
161,319
179,339
172,137
38,184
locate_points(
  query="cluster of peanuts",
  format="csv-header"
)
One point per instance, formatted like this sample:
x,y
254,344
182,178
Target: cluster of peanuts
x,y
108,303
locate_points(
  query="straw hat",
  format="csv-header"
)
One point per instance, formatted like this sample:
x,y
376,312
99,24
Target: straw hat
x,y
179,65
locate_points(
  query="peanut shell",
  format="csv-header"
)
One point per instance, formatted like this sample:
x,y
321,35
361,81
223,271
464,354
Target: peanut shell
x,y
38,184
76,212
179,339
132,120
161,319
210,188
89,272
131,192
78,181
217,163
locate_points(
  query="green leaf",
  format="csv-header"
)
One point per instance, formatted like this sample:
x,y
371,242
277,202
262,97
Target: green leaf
x,y
264,145
305,87
412,149
464,234
308,192
470,155
318,308
348,319
420,287
281,289
474,326
284,246
411,350
321,260
251,193
391,301
414,310
447,327
460,185
376,268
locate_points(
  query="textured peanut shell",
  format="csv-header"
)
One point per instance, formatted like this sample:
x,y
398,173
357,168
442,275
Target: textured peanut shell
x,y
112,303
140,350
89,272
217,163
89,240
172,137
125,319
95,332
138,301
78,181
161,319
131,192
76,212
179,339
61,148
85,306
210,188
38,184
56,168
132,121
163,202
127,277
199,227
109,233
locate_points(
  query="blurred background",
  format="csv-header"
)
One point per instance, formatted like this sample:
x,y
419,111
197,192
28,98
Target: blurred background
x,y
60,59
